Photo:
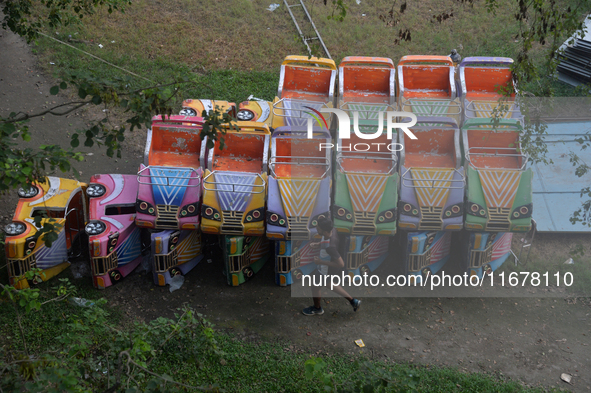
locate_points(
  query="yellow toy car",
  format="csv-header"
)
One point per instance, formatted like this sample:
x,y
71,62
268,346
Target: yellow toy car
x,y
58,201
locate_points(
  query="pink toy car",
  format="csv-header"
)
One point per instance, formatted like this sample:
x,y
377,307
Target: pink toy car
x,y
115,242
170,178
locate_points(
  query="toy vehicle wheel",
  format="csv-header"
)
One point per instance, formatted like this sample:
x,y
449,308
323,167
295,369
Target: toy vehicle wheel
x,y
188,112
95,190
245,115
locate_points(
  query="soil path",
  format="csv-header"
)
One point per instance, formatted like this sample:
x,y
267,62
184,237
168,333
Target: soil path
x,y
532,340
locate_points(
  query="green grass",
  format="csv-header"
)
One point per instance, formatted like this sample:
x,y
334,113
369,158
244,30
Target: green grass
x,y
250,367
548,254
246,366
221,84
236,50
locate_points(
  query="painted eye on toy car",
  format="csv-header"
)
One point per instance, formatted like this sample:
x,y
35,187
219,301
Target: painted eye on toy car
x,y
15,228
95,227
29,192
95,190
245,115
188,112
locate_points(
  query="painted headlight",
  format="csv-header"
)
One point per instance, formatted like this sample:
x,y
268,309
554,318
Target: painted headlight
x,y
95,190
341,213
491,239
276,219
29,192
456,210
430,239
30,244
245,115
314,221
387,216
144,207
210,213
254,215
191,210
475,209
524,211
188,112
15,228
113,239
95,227
408,209
173,241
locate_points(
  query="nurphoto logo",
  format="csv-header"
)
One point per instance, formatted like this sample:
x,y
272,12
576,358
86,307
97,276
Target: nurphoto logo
x,y
344,129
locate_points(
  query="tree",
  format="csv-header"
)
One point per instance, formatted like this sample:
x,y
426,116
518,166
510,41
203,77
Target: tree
x,y
137,101
91,354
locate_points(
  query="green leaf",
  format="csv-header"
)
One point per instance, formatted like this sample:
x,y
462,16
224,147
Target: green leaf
x,y
54,90
82,93
63,86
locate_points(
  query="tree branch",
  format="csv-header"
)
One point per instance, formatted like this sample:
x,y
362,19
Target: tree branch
x,y
77,105
130,360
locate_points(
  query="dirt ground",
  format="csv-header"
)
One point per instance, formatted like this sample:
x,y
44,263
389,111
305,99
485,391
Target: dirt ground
x,y
533,340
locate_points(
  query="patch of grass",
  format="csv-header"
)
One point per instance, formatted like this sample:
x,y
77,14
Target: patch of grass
x,y
235,47
270,367
246,366
549,253
224,84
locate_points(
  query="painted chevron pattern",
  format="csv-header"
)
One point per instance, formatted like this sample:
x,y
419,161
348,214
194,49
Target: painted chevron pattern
x,y
50,256
130,249
307,254
427,193
190,247
441,247
367,111
294,111
502,246
366,191
428,107
169,194
260,248
500,187
378,247
486,108
298,196
234,198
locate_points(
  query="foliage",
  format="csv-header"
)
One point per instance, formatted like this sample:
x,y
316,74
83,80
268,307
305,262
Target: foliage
x,y
339,10
366,378
134,102
20,16
213,124
60,346
92,354
545,23
25,165
22,166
